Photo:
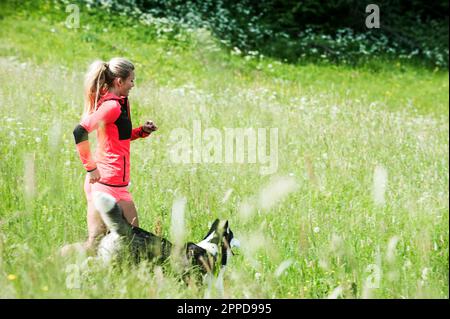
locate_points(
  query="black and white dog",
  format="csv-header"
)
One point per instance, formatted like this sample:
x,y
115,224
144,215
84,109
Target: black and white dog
x,y
143,245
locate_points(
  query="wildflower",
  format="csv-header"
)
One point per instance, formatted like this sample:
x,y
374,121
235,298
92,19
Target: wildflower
x,y
29,176
425,272
177,222
227,195
336,244
380,177
277,190
246,209
12,277
407,264
316,229
390,255
336,293
282,267
236,51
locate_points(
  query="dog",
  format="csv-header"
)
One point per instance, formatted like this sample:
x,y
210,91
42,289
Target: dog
x,y
143,245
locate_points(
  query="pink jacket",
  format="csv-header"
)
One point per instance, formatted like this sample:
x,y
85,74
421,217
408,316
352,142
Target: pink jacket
x,y
112,121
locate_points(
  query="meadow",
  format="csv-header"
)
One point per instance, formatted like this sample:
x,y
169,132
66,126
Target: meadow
x,y
357,208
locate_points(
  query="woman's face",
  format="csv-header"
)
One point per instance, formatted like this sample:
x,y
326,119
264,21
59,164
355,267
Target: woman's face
x,y
126,85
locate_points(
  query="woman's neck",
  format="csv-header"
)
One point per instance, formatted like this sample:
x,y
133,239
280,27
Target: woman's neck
x,y
114,91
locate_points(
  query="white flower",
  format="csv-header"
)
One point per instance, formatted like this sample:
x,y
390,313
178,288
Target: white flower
x,y
37,139
236,51
336,293
316,229
390,254
177,228
425,272
380,180
276,190
407,264
227,195
282,267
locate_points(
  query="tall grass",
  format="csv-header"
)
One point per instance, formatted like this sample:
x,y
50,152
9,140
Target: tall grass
x,y
358,207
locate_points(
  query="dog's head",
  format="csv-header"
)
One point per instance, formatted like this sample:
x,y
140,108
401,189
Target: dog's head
x,y
228,243
218,241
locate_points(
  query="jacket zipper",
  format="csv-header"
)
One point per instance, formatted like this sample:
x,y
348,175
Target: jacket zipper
x,y
124,167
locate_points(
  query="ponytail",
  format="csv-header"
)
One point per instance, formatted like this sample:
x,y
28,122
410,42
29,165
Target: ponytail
x,y
100,78
94,83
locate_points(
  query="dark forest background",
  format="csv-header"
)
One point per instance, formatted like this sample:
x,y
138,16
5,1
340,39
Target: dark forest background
x,y
294,30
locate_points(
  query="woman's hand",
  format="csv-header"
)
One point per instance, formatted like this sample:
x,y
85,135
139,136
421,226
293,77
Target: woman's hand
x,y
94,176
149,127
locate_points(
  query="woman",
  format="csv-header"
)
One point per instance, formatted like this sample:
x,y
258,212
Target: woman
x,y
107,110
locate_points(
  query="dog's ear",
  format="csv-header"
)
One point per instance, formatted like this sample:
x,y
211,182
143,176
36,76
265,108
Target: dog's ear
x,y
212,228
226,225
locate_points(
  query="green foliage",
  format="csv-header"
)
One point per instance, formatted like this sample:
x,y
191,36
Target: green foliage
x,y
295,30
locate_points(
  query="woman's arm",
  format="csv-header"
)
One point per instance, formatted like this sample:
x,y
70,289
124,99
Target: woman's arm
x,y
138,132
143,131
107,113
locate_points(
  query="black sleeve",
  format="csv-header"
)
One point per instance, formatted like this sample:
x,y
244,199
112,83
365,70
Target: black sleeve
x,y
80,134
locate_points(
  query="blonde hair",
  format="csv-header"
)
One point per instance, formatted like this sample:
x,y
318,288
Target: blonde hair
x,y
100,77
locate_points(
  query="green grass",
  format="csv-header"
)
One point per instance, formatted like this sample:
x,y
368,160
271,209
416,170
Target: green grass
x,y
336,124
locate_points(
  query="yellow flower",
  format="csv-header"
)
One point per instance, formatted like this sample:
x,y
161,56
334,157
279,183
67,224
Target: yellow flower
x,y
12,277
45,288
